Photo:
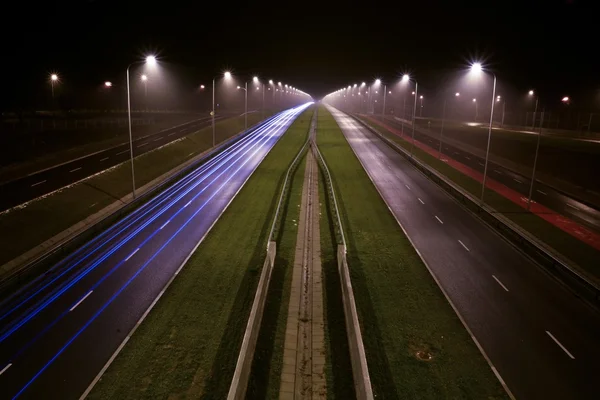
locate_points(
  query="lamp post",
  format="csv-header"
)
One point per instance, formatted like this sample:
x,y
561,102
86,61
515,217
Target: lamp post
x,y
475,102
406,78
151,61
245,89
144,79
457,94
532,93
537,150
53,78
421,108
476,68
226,75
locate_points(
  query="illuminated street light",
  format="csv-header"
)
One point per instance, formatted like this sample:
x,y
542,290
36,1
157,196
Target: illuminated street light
x,y
108,84
202,87
532,93
144,78
362,84
227,75
477,68
476,113
150,61
457,94
378,81
405,78
53,78
566,99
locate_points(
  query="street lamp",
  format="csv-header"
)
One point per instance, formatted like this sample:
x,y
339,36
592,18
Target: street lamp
x,y
245,89
421,109
532,93
151,61
475,101
477,69
226,75
107,84
53,78
406,78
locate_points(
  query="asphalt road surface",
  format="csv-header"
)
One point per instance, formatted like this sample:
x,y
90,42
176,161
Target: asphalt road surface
x,y
543,194
542,339
58,331
45,181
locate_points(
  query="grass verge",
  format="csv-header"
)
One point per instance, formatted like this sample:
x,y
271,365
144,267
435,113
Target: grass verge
x,y
401,309
265,378
584,256
188,345
56,212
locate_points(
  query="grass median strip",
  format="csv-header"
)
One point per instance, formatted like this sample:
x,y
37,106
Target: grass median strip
x,y
584,256
404,316
54,213
188,345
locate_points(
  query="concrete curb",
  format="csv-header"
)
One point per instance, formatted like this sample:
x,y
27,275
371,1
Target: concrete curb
x,y
556,264
75,236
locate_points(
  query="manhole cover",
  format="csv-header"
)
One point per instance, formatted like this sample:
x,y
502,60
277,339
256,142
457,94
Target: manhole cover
x,y
424,356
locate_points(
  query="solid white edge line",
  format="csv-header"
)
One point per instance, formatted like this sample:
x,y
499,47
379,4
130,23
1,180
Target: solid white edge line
x,y
560,345
187,204
422,202
572,206
76,169
463,245
500,283
458,314
5,368
441,222
80,301
131,255
165,224
143,317
39,183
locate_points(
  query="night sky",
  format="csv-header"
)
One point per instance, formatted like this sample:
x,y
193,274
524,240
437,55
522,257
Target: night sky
x,y
548,45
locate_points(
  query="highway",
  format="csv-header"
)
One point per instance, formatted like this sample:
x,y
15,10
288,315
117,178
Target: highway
x,y
542,340
58,331
544,194
42,182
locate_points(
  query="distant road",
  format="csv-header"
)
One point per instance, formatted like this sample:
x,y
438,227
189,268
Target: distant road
x,y
59,330
541,338
543,194
42,182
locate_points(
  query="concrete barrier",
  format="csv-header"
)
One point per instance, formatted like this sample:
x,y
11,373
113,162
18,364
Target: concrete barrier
x,y
241,375
558,265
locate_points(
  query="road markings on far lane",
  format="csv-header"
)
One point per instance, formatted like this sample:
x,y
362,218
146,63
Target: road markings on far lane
x,y
156,140
441,222
172,133
516,180
92,205
500,283
422,202
572,206
5,368
39,183
463,245
560,345
76,169
131,255
165,224
481,164
80,301
544,193
143,144
408,187
123,152
104,159
498,172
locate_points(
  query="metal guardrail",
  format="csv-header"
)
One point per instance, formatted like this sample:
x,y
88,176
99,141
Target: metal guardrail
x,y
358,359
555,263
241,375
70,244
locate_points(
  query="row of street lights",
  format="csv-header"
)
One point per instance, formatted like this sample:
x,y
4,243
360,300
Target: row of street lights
x,y
151,61
475,69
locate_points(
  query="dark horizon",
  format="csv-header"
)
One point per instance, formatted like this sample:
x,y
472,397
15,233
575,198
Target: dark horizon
x,y
541,45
